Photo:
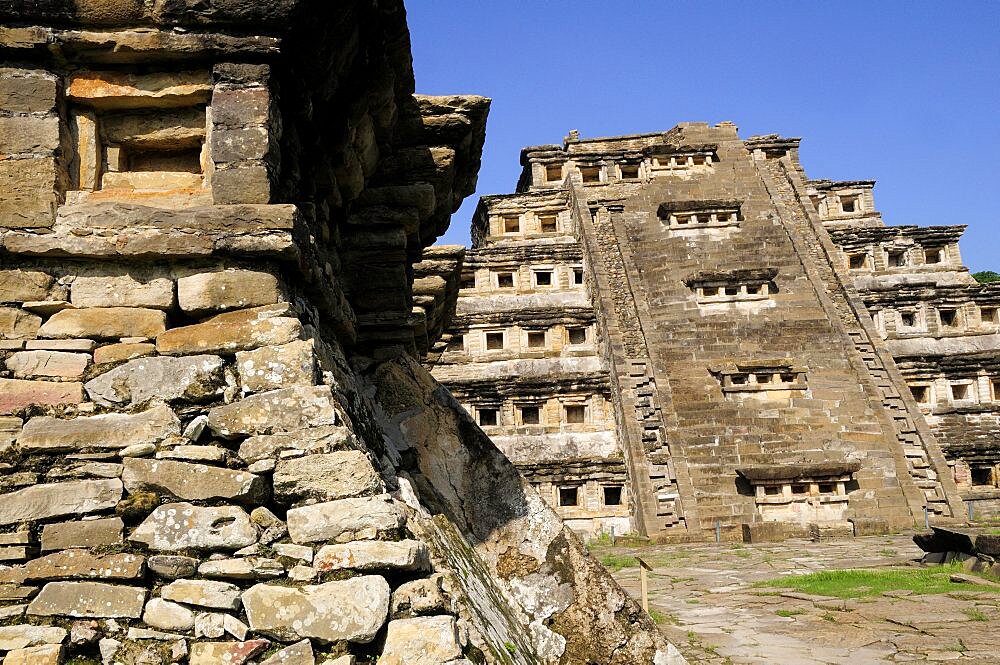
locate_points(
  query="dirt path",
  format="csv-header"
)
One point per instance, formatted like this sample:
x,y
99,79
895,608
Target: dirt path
x,y
703,598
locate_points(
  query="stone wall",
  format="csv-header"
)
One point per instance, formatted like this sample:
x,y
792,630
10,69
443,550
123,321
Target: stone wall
x,y
215,443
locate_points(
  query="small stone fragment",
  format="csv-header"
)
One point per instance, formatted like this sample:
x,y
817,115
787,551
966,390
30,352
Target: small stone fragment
x,y
235,627
300,653
116,353
204,593
83,632
225,653
165,615
245,568
417,597
172,566
209,624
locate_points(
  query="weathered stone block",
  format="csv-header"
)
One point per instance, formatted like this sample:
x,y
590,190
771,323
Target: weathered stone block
x,y
192,482
165,615
419,597
88,599
115,353
204,593
323,439
28,193
274,367
326,477
373,555
172,565
105,323
17,394
300,653
228,338
284,410
80,564
167,379
46,654
127,90
109,430
25,635
22,285
29,134
27,90
238,144
18,324
55,364
240,106
75,497
421,641
224,290
85,533
122,291
230,653
243,184
244,568
179,526
352,610
344,520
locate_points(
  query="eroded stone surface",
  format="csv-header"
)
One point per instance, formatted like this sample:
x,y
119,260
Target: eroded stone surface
x,y
274,367
230,653
229,289
300,653
56,364
17,394
322,439
352,610
88,599
166,379
85,533
179,526
326,477
228,338
75,497
203,593
192,482
105,431
165,615
81,564
373,555
364,518
282,410
26,635
104,323
122,291
421,641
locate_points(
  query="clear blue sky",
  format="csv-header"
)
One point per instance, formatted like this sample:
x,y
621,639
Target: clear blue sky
x,y
905,93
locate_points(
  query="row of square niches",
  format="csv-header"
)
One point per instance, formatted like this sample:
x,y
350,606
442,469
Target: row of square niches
x,y
572,413
763,379
591,173
951,318
538,340
703,219
898,258
569,496
542,223
710,292
951,391
540,278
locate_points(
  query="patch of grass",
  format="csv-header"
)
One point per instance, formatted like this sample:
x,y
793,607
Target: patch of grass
x,y
861,583
615,562
789,613
958,646
975,614
660,618
887,552
510,647
828,616
743,554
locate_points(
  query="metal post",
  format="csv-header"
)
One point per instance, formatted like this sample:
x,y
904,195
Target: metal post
x,y
972,510
718,531
927,519
612,535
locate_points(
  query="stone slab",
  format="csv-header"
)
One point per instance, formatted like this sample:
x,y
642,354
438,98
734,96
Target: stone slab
x,y
88,599
75,497
105,431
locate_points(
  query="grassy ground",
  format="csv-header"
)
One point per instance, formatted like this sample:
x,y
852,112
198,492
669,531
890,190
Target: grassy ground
x,y
860,583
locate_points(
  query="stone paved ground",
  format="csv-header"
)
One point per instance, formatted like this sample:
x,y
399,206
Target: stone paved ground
x,y
711,612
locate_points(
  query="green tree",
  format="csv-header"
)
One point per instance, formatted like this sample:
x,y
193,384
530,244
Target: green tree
x,y
986,276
